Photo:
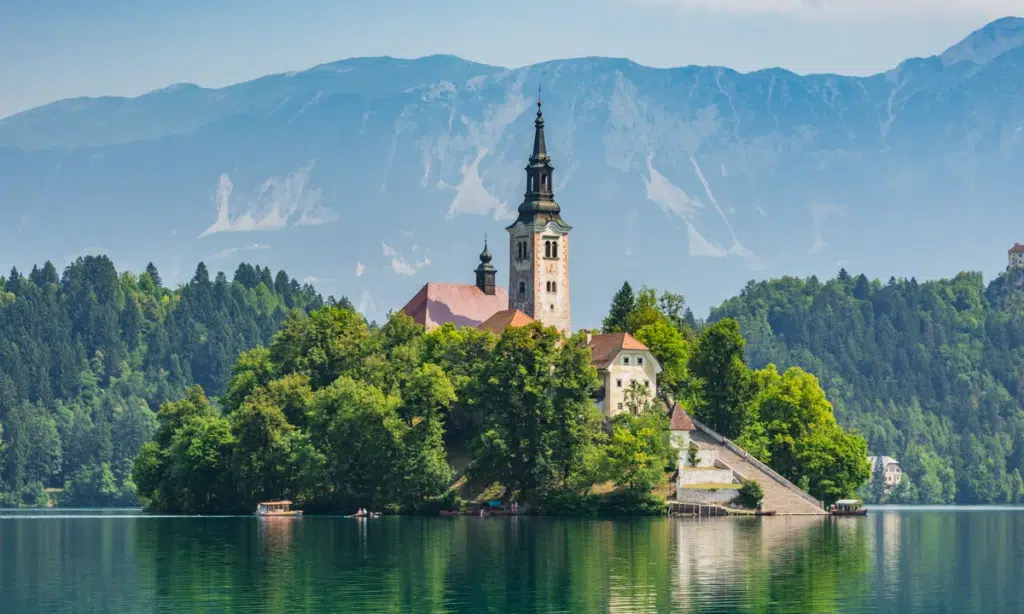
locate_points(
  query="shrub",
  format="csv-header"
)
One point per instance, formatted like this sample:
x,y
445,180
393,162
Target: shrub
x,y
750,494
432,507
691,455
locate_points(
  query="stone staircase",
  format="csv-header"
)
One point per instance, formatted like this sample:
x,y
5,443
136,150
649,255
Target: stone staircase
x,y
779,494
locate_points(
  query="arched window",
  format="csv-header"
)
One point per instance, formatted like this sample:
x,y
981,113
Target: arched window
x,y
554,288
522,287
547,249
547,286
554,249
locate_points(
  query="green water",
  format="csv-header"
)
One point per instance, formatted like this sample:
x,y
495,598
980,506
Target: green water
x,y
895,560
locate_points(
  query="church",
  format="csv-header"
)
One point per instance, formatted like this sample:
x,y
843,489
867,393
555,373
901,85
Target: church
x,y
538,279
538,289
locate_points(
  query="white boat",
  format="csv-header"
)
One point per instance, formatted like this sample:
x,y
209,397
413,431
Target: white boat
x,y
277,508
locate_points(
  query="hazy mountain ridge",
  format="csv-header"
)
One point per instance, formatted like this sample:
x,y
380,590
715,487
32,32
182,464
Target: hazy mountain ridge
x,y
694,178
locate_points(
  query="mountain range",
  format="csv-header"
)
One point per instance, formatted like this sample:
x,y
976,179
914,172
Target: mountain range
x,y
370,176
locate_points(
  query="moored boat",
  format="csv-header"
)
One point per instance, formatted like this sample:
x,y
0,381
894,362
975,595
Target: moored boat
x,y
848,507
277,509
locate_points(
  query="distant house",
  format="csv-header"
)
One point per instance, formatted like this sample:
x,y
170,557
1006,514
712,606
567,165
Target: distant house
x,y
892,471
621,360
1015,256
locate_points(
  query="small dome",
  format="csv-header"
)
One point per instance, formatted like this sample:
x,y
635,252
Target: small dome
x,y
485,256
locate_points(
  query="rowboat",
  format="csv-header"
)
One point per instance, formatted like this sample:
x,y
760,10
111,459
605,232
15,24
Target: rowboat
x,y
278,509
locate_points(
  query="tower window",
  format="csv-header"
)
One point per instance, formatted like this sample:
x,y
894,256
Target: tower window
x,y
522,287
547,249
554,287
554,249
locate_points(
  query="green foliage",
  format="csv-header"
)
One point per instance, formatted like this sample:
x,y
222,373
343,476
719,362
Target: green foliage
x,y
535,395
639,450
622,306
673,351
726,387
930,373
750,495
625,503
692,455
86,355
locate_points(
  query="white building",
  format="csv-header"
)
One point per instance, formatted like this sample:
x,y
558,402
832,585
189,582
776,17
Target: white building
x,y
892,471
621,360
1015,256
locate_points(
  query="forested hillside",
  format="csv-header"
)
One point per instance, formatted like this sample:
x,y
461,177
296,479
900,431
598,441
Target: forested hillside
x,y
930,373
86,358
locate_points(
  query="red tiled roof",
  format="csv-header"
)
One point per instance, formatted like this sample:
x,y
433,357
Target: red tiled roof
x,y
604,348
680,420
504,319
461,304
1017,248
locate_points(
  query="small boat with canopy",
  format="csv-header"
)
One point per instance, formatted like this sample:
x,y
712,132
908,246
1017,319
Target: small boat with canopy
x,y
277,508
848,507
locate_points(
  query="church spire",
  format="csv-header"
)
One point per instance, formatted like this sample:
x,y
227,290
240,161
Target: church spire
x,y
540,196
540,149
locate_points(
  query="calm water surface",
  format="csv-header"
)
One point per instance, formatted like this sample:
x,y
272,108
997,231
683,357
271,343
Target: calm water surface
x,y
895,560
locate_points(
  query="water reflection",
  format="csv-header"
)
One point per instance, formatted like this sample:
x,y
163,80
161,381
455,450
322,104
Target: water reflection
x,y
891,561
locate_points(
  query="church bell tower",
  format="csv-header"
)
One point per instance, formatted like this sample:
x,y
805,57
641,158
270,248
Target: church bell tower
x,y
539,244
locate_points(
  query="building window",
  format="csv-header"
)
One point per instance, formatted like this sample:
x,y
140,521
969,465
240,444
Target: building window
x,y
620,406
547,249
647,384
554,249
522,287
552,307
618,383
625,360
639,360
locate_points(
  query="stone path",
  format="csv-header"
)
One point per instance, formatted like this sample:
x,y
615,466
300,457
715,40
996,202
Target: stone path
x,y
776,496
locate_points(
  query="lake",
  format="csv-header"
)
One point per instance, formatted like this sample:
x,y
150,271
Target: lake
x,y
894,560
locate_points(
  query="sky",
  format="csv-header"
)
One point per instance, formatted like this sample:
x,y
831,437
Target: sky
x,y
53,49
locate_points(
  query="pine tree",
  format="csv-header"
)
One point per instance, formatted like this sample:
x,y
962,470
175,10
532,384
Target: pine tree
x,y
623,304
154,275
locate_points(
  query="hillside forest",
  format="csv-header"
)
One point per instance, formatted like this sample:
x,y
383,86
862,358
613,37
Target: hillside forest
x,y
88,355
931,373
